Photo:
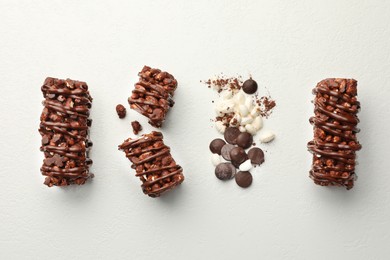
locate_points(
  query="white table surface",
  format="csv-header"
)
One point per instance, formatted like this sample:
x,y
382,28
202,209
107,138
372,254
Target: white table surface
x,y
287,46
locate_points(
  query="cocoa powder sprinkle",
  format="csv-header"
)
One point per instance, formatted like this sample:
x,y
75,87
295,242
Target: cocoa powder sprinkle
x,y
267,105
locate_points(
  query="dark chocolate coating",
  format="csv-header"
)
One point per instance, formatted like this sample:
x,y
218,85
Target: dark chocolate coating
x,y
335,126
64,130
153,163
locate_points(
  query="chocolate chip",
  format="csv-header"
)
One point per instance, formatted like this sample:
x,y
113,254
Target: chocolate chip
x,y
216,145
121,111
231,134
238,155
225,171
244,140
249,86
225,151
244,179
256,155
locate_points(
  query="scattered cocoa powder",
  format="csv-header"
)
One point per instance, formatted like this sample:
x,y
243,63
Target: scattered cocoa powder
x,y
221,82
267,105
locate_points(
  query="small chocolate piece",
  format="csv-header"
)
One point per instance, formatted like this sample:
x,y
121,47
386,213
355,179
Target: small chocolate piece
x,y
244,140
121,110
244,179
238,155
334,123
64,130
225,171
249,86
152,95
153,163
256,155
216,145
45,140
231,134
225,151
137,127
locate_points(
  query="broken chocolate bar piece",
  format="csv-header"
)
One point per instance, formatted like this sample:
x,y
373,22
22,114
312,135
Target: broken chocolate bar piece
x,y
153,163
64,130
335,127
152,95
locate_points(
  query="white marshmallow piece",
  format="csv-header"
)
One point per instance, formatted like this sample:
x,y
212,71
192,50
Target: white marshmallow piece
x,y
236,120
239,98
218,107
250,129
267,136
258,123
227,94
227,106
246,120
255,111
220,127
242,128
249,103
245,166
215,159
243,110
219,113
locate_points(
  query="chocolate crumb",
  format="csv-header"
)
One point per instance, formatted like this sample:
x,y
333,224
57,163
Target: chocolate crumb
x,y
136,127
121,111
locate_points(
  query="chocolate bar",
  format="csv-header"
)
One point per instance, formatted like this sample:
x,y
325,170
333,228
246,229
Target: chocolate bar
x,y
335,127
64,130
152,95
153,163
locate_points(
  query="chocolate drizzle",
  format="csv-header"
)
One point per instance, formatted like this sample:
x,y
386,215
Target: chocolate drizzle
x,y
64,130
152,95
153,163
335,127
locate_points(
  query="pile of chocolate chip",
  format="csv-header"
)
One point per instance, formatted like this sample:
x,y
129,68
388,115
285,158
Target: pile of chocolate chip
x,y
239,159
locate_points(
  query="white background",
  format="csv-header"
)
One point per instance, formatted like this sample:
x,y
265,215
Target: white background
x,y
287,46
